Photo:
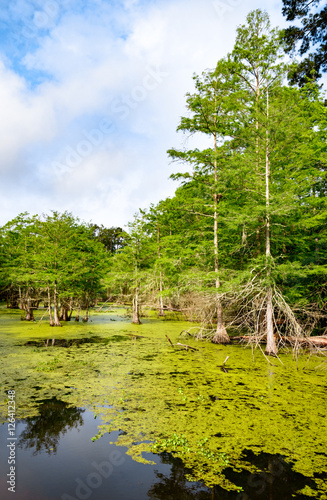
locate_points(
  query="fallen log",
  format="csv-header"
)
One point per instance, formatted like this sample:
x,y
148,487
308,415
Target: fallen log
x,y
308,341
99,309
304,341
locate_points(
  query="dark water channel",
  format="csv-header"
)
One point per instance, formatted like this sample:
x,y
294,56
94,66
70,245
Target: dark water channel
x,y
56,459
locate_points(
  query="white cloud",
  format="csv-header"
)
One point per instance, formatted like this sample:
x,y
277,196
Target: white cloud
x,y
130,66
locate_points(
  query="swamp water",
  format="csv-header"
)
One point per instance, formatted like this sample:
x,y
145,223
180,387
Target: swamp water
x,y
112,411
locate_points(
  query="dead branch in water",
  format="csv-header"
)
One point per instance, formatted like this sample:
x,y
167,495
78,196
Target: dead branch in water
x,y
99,309
185,331
187,346
170,341
225,360
136,336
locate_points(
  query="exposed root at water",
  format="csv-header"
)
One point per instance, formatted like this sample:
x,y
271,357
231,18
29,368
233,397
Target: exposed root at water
x,y
245,315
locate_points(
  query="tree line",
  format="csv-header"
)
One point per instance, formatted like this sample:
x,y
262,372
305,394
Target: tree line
x,y
57,260
242,243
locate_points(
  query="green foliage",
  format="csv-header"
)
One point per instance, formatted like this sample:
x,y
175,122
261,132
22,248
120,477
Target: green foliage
x,y
249,212
51,257
266,169
260,187
311,35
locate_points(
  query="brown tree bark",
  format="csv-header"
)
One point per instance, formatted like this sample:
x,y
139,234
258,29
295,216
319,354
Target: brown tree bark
x,y
86,317
49,305
63,312
136,316
56,307
28,306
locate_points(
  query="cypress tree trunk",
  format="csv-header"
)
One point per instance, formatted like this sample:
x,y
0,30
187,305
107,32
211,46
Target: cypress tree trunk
x,y
28,307
49,305
161,311
21,302
86,317
271,347
55,306
136,317
221,336
71,304
64,312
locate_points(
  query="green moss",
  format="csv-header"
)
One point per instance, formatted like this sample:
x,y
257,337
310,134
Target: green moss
x,y
166,399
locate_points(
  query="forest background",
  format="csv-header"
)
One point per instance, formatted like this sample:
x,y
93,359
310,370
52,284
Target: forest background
x,y
241,247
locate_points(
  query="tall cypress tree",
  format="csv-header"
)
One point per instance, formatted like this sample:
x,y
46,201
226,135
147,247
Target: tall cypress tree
x,y
210,107
265,145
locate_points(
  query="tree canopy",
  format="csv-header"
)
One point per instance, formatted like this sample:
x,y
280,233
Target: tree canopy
x,y
240,247
310,36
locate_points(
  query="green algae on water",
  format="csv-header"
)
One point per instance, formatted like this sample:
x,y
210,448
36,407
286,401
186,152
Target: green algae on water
x,y
164,399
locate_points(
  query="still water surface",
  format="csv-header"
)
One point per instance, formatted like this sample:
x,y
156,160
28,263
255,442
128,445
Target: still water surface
x,y
59,461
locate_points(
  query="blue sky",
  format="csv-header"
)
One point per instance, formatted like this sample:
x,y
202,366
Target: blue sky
x,y
91,93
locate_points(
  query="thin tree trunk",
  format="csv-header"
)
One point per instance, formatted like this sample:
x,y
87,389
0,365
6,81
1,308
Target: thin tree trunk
x,y
55,306
71,303
49,305
161,311
28,307
21,303
221,336
271,348
136,317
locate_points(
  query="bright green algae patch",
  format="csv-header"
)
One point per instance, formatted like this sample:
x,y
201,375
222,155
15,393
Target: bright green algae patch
x,y
166,399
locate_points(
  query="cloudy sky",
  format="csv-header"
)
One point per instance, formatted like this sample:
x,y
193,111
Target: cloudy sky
x,y
91,92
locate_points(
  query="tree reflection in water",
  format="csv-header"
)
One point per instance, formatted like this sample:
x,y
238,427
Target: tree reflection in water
x,y
275,479
54,420
175,486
